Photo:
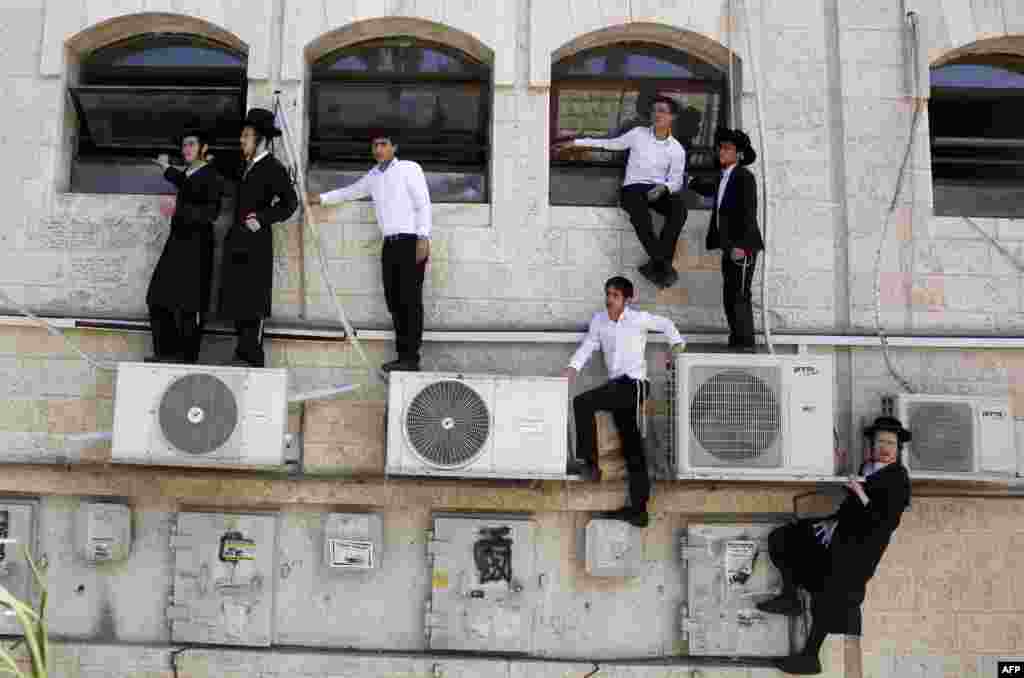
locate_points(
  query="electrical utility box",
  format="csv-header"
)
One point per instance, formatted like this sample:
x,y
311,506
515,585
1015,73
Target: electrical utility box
x,y
223,578
103,532
614,549
17,530
353,542
484,584
729,571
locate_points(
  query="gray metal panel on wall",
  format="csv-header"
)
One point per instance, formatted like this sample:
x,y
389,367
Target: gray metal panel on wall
x,y
223,578
484,584
17,524
721,617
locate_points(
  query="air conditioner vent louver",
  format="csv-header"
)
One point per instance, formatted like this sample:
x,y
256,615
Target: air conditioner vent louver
x,y
943,436
198,413
448,424
735,416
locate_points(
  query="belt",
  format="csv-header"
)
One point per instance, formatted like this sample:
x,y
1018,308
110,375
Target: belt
x,y
400,236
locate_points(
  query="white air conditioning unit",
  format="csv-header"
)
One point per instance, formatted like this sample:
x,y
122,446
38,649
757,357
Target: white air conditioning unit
x,y
443,424
753,416
955,436
184,415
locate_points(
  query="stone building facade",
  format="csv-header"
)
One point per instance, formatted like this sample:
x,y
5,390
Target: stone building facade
x,y
832,80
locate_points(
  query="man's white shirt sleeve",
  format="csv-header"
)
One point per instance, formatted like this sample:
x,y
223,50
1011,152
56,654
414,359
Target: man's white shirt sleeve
x,y
676,170
419,194
591,343
360,189
621,143
667,327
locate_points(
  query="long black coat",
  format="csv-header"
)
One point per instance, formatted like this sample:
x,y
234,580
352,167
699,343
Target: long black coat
x,y
183,274
247,272
735,224
860,538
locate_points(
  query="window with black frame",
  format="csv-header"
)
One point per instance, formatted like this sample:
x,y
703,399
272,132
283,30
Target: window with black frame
x,y
606,91
433,99
977,141
135,96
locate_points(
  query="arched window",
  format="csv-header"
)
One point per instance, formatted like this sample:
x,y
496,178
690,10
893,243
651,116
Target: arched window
x,y
434,99
135,96
606,91
977,140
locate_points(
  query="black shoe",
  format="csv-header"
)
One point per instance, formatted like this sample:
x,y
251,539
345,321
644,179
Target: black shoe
x,y
800,665
647,270
163,359
668,279
629,515
400,366
786,605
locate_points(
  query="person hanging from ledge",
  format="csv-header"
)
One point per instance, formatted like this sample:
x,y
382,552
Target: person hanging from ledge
x,y
835,557
733,229
265,197
620,332
401,200
179,291
654,181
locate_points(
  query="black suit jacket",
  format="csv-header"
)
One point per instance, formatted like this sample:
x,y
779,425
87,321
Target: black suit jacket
x,y
735,223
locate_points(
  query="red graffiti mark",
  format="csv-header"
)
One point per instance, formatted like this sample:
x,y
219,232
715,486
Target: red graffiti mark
x,y
168,206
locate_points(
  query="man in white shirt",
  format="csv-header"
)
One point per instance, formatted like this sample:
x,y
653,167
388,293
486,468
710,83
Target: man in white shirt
x,y
621,334
654,181
401,200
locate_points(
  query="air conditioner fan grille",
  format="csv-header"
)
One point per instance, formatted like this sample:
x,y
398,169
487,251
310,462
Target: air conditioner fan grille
x,y
447,424
735,416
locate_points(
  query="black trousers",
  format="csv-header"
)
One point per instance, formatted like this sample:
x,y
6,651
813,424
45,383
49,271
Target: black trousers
x,y
620,398
250,341
661,249
736,296
403,292
176,334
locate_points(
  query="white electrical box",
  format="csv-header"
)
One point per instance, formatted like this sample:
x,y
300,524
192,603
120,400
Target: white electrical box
x,y
614,549
484,584
729,571
103,532
223,578
353,541
17,530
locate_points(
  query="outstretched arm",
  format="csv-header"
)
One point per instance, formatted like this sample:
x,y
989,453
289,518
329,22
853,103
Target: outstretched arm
x,y
591,343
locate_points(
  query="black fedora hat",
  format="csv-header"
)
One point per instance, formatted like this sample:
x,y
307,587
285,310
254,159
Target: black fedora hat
x,y
194,128
740,139
890,425
261,120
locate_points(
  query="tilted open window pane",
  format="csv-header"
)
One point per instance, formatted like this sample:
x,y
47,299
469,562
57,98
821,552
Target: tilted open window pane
x,y
399,58
149,118
977,142
164,60
630,61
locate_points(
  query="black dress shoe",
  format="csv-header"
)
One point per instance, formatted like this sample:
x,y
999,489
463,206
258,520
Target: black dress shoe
x,y
800,665
400,366
668,279
789,606
647,270
630,515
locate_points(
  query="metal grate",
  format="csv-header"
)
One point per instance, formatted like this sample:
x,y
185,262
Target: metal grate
x,y
447,423
198,413
943,436
735,416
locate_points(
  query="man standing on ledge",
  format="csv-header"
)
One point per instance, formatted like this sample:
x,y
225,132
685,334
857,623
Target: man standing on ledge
x,y
401,200
265,197
654,181
621,334
733,229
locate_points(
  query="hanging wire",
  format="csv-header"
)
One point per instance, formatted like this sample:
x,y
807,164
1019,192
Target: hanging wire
x,y
59,332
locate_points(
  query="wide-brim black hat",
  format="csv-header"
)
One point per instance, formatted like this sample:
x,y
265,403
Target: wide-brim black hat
x,y
194,129
261,120
740,139
890,425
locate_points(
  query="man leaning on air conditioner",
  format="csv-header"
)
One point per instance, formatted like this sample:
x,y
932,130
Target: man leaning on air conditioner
x,y
835,557
621,334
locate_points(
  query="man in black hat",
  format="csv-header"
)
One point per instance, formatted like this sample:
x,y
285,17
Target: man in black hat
x,y
179,291
401,200
265,197
654,179
734,230
835,557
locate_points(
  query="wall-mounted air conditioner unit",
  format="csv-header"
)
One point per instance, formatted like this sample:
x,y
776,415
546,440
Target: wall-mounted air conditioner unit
x,y
477,425
955,436
753,416
182,415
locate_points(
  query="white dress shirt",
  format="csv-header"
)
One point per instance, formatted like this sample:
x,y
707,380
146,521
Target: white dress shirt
x,y
400,197
726,173
651,160
624,342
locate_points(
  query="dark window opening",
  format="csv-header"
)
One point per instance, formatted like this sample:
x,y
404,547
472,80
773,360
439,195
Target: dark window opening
x,y
435,100
605,92
977,142
137,95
